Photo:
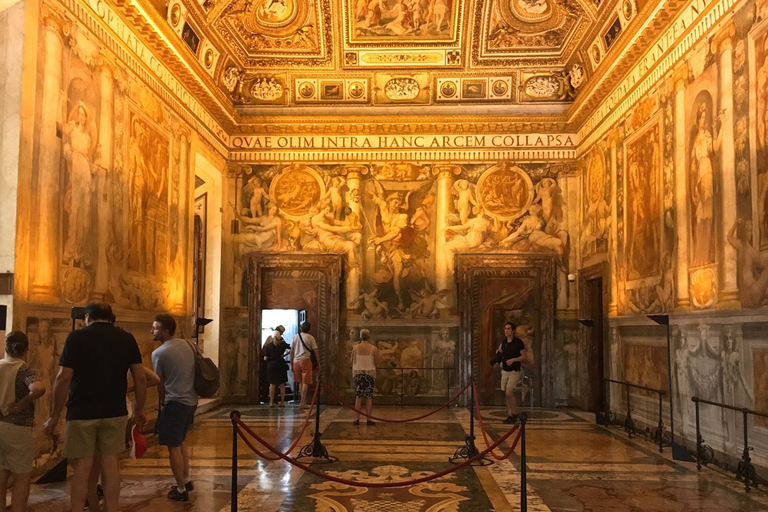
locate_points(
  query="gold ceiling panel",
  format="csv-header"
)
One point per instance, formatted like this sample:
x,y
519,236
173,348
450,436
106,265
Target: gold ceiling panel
x,y
276,33
520,32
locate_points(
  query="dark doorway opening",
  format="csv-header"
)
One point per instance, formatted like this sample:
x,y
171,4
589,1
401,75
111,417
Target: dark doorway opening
x,y
594,316
290,319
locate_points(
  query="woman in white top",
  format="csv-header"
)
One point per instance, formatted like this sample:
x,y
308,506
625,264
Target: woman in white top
x,y
365,359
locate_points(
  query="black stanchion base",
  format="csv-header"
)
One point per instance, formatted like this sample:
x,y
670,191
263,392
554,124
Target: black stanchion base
x,y
316,451
468,451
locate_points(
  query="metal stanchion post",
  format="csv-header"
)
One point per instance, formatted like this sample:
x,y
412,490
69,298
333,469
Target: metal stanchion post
x,y
316,449
469,449
661,424
402,386
699,439
232,415
745,470
628,423
523,467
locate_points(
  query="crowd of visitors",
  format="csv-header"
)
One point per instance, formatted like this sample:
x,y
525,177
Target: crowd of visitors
x,y
96,364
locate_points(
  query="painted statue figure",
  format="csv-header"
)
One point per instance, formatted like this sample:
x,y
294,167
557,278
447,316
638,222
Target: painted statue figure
x,y
80,150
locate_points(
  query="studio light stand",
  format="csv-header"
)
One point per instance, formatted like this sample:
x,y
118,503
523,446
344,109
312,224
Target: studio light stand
x,y
200,322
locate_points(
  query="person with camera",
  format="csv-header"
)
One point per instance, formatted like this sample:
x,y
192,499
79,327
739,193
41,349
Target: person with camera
x,y
510,356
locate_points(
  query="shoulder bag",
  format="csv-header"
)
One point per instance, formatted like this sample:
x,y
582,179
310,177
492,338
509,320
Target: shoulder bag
x,y
206,374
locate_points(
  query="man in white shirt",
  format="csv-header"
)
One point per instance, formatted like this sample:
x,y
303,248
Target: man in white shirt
x,y
302,346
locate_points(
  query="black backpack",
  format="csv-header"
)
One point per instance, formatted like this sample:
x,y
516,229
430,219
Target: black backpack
x,y
206,375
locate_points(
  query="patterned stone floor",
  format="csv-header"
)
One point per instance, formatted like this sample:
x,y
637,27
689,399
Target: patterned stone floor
x,y
573,466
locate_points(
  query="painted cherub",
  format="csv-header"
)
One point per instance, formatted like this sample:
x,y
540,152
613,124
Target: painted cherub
x,y
465,200
426,301
335,188
370,305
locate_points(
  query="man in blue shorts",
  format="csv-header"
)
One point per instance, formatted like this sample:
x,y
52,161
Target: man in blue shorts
x,y
174,363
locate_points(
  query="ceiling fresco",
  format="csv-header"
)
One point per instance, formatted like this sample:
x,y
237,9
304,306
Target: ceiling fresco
x,y
266,54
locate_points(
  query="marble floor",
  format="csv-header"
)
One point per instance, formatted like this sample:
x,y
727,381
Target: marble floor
x,y
573,466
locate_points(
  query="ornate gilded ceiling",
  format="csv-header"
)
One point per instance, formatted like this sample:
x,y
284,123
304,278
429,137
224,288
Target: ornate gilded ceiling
x,y
321,54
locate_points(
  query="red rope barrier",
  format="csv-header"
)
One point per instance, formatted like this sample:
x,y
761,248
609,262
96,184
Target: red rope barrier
x,y
298,438
485,434
346,404
372,485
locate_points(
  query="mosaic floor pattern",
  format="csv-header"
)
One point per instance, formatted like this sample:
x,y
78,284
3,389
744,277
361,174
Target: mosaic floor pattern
x,y
573,466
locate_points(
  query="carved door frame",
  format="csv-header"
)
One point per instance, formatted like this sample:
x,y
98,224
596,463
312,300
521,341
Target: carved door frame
x,y
470,269
326,270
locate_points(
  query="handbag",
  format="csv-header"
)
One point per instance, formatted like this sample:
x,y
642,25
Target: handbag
x,y
312,355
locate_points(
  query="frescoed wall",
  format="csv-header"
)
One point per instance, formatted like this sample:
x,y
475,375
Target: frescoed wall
x,y
689,222
109,218
399,227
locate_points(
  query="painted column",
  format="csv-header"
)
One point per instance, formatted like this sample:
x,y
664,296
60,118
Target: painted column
x,y
47,251
680,79
445,175
353,175
613,306
186,199
103,202
729,288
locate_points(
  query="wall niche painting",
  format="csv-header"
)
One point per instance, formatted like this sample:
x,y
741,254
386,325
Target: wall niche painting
x,y
759,364
646,365
703,123
643,214
79,130
596,209
758,119
120,195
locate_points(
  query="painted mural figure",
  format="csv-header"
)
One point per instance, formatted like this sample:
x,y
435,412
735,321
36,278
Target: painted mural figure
x,y
137,167
474,231
443,356
753,267
598,216
421,218
262,233
426,301
255,196
533,228
413,358
329,233
80,151
733,378
335,187
401,247
371,305
465,199
703,149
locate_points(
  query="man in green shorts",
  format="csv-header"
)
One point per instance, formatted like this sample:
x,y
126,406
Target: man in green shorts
x,y
93,369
